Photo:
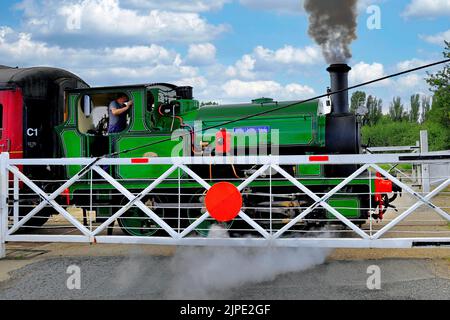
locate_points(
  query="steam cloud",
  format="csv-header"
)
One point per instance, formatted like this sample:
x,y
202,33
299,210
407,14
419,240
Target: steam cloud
x,y
197,272
205,272
332,24
200,272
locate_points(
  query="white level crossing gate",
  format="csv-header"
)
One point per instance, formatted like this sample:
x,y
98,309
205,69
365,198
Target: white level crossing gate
x,y
179,217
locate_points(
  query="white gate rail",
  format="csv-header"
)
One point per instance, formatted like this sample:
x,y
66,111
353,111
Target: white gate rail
x,y
367,234
424,175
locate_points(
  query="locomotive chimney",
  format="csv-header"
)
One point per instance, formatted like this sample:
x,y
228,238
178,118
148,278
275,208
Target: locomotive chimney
x,y
339,81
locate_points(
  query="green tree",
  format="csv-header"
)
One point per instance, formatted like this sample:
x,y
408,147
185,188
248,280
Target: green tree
x,y
392,130
415,108
358,99
439,116
426,107
374,111
397,110
391,133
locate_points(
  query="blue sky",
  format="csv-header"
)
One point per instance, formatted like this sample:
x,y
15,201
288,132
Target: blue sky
x,y
229,50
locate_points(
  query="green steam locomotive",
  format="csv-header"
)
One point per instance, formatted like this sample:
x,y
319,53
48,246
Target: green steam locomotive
x,y
160,110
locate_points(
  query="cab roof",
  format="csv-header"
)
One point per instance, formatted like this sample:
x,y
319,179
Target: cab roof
x,y
122,87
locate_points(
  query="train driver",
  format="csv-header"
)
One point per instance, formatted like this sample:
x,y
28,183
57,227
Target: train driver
x,y
118,110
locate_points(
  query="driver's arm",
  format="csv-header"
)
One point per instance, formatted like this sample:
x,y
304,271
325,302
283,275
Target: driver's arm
x,y
118,112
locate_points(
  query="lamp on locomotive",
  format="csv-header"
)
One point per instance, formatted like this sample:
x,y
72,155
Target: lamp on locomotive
x,y
223,142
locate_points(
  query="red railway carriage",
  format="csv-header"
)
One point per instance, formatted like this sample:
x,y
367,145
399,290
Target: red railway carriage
x,y
11,128
31,105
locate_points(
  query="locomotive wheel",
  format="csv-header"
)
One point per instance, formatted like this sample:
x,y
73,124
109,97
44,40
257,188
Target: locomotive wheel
x,y
193,214
134,222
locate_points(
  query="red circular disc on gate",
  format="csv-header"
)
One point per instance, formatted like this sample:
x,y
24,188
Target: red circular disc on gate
x,y
223,202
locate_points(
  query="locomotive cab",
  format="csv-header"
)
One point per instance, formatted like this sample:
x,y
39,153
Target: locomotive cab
x,y
158,110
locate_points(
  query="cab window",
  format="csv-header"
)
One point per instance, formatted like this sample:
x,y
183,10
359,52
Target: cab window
x,y
93,114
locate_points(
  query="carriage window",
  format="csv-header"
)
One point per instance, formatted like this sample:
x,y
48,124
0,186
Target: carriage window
x,y
93,115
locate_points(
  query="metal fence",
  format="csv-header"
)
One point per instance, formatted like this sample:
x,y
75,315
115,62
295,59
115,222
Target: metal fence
x,y
420,175
179,216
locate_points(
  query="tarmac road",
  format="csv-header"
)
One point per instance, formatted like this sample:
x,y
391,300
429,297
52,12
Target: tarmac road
x,y
39,271
180,277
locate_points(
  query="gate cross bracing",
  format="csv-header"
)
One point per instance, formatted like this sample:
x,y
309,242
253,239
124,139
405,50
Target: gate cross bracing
x,y
263,230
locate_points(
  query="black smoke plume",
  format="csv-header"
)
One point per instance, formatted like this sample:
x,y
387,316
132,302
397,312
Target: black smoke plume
x,y
332,24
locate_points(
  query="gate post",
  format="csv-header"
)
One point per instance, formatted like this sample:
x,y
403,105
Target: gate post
x,y
425,167
4,177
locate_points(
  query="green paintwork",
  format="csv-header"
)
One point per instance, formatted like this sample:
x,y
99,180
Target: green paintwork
x,y
138,118
151,171
300,124
73,146
309,170
348,207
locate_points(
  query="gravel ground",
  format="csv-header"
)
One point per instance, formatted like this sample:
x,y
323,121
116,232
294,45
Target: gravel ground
x,y
181,277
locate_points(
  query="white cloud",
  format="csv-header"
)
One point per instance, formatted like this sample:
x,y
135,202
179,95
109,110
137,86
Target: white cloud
x,y
408,85
409,81
244,68
400,86
201,54
403,86
262,60
256,89
108,21
427,8
199,83
297,91
143,64
289,55
178,5
364,72
19,48
411,64
437,38
103,66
